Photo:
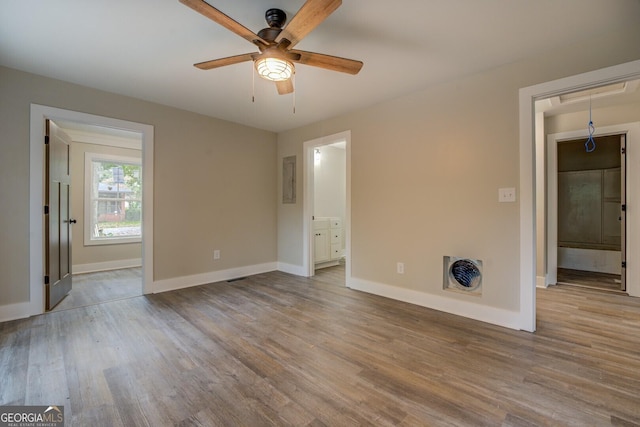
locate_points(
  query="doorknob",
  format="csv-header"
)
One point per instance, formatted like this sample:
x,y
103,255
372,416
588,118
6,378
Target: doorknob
x,y
72,221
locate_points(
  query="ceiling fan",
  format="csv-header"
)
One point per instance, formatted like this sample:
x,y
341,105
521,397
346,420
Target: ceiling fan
x,y
276,55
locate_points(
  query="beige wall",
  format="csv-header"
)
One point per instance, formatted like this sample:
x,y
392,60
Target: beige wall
x,y
92,254
214,183
425,173
330,180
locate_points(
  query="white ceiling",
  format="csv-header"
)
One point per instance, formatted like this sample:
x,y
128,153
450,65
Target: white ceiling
x,y
146,48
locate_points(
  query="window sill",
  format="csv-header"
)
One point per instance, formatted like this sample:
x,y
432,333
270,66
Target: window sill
x,y
113,241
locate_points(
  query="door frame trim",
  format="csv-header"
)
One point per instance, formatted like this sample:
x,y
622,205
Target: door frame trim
x,y
38,115
527,165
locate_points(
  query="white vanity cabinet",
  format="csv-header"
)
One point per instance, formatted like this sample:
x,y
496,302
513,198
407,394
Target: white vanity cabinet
x,y
328,237
321,240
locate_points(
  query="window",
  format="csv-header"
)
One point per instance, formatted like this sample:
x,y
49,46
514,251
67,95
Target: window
x,y
113,199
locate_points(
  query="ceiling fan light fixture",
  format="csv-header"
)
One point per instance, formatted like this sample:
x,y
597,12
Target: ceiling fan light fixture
x,y
274,69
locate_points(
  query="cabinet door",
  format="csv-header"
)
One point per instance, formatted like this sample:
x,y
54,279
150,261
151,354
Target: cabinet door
x,y
321,246
336,251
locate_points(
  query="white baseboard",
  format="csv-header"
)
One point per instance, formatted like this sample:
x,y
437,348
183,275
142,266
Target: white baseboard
x,y
326,264
541,282
105,266
22,310
496,316
298,270
211,277
459,307
15,311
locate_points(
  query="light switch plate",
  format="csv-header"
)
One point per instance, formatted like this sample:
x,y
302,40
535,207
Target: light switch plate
x,y
506,195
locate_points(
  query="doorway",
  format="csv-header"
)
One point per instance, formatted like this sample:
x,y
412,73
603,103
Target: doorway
x,y
327,216
588,208
532,166
39,115
329,204
106,177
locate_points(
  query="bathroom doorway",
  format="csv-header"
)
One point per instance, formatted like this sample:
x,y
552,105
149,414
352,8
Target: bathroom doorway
x,y
327,203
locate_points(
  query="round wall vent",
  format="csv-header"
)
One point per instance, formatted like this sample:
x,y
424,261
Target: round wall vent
x,y
466,273
463,274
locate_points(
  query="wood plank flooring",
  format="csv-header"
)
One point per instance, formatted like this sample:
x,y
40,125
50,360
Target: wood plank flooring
x,y
589,279
276,349
102,286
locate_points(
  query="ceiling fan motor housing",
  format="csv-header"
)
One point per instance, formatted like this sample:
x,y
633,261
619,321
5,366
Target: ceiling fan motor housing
x,y
275,19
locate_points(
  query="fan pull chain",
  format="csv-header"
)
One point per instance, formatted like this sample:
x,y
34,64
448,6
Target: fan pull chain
x,y
294,92
590,145
253,86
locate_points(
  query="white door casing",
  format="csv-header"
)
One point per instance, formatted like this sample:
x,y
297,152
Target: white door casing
x,y
527,164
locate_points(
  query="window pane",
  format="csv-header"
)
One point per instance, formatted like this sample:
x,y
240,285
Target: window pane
x,y
116,205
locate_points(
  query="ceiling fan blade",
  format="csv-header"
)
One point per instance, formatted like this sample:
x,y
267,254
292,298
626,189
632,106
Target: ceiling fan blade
x,y
335,63
285,87
215,15
310,15
230,60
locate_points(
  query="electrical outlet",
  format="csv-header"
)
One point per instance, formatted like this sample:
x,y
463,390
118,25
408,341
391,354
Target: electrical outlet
x,y
400,268
506,195
216,254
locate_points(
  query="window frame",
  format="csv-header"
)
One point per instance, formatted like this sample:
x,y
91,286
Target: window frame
x,y
89,158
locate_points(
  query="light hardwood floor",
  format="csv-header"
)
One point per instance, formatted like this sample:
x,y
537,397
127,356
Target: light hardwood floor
x,y
590,279
102,286
275,349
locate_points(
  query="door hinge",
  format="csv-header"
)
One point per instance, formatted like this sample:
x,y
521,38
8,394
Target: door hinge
x,y
46,209
46,280
623,150
46,140
624,264
624,208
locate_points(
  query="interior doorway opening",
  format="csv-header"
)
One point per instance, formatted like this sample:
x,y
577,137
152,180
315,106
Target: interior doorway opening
x,y
599,258
327,192
329,204
106,189
589,211
39,115
532,201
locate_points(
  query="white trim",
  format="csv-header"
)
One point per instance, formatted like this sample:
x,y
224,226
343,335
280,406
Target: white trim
x,y
541,282
527,97
308,165
307,209
632,131
481,312
551,253
87,137
298,270
15,311
106,265
212,277
39,113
